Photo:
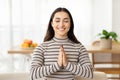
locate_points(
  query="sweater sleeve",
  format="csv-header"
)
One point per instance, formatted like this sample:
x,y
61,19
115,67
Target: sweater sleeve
x,y
38,69
84,67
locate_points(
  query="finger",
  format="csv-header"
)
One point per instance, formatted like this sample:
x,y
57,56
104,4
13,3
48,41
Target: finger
x,y
61,48
64,59
64,54
60,58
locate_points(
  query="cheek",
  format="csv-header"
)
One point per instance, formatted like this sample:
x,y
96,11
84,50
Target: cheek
x,y
53,25
54,28
68,27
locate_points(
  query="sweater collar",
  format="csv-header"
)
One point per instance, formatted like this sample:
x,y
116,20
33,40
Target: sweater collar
x,y
60,39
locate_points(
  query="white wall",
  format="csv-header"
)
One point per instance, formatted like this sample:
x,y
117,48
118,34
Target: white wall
x,y
106,15
116,16
102,16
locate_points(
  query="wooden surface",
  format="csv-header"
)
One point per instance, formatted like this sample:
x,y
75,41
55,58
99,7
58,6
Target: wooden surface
x,y
106,56
20,51
97,49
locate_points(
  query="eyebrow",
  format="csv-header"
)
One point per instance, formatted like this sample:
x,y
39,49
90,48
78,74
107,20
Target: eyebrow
x,y
66,18
59,18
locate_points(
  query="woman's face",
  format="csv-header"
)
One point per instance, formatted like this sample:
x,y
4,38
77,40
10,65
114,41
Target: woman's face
x,y
61,24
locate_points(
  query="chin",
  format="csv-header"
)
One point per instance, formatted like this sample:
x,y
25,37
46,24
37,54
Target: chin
x,y
63,35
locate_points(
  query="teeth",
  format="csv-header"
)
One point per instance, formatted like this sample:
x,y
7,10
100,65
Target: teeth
x,y
61,29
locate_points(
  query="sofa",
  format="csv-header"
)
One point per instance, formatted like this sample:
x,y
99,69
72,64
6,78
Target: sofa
x,y
25,76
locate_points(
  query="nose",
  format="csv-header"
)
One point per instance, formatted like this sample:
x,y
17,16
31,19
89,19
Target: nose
x,y
61,24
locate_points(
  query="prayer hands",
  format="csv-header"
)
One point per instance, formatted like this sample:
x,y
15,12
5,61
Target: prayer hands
x,y
62,59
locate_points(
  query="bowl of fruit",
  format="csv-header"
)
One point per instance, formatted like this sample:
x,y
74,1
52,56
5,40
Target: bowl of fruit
x,y
28,44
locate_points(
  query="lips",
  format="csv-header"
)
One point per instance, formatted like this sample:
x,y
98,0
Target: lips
x,y
61,29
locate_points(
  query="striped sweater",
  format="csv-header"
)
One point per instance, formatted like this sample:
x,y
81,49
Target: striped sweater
x,y
44,61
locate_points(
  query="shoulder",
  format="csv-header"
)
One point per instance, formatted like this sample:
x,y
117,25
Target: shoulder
x,y
78,45
75,44
44,44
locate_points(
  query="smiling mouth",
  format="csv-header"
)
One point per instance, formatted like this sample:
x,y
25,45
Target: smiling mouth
x,y
61,29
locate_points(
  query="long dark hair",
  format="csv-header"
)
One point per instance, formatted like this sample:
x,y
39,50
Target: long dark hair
x,y
50,31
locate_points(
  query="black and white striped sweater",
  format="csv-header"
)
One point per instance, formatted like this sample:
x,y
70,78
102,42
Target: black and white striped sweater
x,y
45,56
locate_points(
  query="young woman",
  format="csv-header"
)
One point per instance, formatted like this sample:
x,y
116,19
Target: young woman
x,y
61,56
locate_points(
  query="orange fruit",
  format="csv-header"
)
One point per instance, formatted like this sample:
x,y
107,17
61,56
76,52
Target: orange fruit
x,y
35,44
29,42
31,46
25,45
25,40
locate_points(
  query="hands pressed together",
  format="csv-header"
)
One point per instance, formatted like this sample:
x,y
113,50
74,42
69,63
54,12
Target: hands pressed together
x,y
62,59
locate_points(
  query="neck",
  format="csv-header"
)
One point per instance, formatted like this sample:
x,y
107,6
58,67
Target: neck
x,y
61,37
65,39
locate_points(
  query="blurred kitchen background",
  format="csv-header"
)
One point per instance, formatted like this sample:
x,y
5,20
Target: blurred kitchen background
x,y
28,19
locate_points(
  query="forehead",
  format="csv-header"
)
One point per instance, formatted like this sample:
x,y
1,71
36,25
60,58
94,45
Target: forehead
x,y
61,15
